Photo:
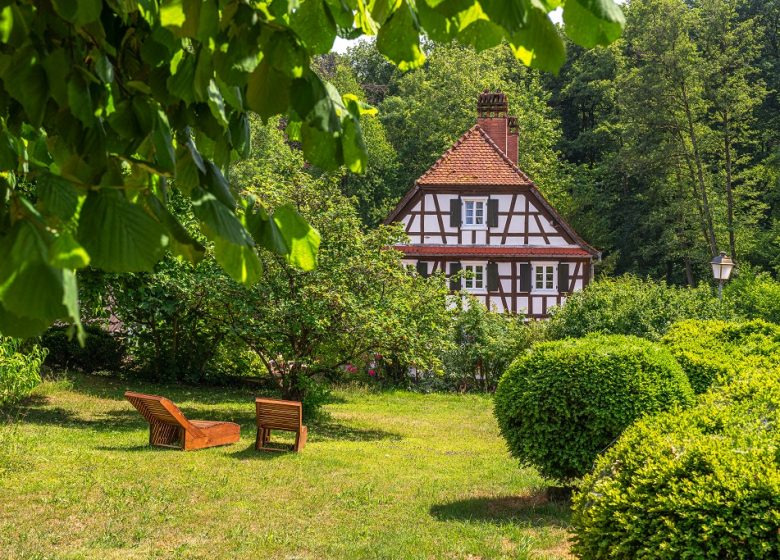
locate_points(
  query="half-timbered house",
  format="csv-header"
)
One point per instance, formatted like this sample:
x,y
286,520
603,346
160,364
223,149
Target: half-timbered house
x,y
475,211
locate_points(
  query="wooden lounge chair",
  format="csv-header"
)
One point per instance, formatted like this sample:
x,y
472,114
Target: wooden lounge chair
x,y
276,414
169,428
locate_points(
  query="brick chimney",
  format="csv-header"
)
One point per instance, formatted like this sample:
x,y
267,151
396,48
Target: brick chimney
x,y
492,117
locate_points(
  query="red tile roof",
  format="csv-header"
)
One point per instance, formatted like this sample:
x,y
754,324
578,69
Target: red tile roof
x,y
489,251
474,160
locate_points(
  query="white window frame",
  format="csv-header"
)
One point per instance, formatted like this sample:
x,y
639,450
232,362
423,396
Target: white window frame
x,y
483,200
544,265
474,289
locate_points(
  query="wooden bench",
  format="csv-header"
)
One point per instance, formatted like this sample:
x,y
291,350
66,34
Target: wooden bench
x,y
168,427
276,414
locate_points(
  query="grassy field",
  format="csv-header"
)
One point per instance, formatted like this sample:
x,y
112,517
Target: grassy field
x,y
391,475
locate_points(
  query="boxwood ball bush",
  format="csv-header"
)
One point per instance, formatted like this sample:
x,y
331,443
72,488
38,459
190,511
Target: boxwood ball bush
x,y
562,403
701,483
714,351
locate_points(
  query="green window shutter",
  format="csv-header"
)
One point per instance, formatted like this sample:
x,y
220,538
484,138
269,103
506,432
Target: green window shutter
x,y
525,277
492,214
454,282
455,212
422,269
492,277
563,277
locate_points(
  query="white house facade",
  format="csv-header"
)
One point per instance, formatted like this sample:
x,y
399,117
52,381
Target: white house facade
x,y
475,211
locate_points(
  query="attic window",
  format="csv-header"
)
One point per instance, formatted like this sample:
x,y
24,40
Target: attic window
x,y
474,212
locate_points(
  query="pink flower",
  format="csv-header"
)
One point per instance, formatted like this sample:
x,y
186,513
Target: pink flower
x,y
351,369
371,372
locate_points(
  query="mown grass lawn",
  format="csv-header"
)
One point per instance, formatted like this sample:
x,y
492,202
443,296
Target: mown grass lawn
x,y
392,475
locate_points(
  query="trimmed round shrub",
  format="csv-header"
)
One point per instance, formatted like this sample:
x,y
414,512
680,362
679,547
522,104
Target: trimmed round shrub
x,y
101,350
20,369
711,351
699,483
562,403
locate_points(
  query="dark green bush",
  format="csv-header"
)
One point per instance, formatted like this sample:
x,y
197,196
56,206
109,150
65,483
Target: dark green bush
x,y
20,369
712,350
101,350
699,483
562,403
630,305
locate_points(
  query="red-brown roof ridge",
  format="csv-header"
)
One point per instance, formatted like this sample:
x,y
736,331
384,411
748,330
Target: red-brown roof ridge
x,y
474,159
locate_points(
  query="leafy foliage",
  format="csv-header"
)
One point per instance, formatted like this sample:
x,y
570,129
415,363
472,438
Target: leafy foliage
x,y
562,403
101,351
699,483
716,351
755,296
20,369
484,344
631,305
102,103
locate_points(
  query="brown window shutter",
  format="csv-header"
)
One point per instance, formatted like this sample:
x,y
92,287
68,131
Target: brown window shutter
x,y
454,271
422,269
563,277
492,277
525,277
455,212
493,212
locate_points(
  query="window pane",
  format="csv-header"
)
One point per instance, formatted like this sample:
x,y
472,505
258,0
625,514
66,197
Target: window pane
x,y
479,208
549,285
478,273
469,212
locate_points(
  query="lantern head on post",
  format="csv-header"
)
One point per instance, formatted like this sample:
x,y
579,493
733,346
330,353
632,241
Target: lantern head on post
x,y
722,265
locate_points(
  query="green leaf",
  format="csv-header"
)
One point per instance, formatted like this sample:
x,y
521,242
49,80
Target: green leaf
x,y
13,26
323,149
66,252
512,15
181,243
163,144
182,77
218,220
314,25
239,261
399,40
353,146
592,22
9,153
481,34
118,235
20,326
263,229
240,134
217,104
539,45
201,19
36,292
302,240
217,185
268,91
172,13
56,196
80,99
25,79
79,12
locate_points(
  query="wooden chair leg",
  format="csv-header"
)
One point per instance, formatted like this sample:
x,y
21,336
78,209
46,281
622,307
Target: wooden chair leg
x,y
300,438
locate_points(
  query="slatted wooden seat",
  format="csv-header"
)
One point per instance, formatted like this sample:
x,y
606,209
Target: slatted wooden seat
x,y
168,427
276,414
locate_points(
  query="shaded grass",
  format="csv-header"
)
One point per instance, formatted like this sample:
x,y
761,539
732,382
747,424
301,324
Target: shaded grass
x,y
391,475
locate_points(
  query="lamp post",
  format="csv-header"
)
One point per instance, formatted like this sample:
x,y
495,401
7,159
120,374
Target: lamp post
x,y
722,265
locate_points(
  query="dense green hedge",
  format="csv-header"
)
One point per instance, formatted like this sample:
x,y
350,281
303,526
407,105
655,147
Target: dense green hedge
x,y
20,369
712,350
101,350
562,403
699,483
754,296
631,305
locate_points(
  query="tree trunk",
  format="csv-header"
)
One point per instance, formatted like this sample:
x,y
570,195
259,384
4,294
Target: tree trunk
x,y
699,173
729,191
